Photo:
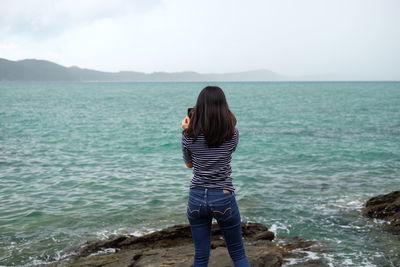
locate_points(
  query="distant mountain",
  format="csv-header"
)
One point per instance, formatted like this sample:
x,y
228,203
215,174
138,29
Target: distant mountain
x,y
42,70
254,75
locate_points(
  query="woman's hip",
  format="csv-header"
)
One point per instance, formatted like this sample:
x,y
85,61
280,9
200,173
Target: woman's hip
x,y
210,195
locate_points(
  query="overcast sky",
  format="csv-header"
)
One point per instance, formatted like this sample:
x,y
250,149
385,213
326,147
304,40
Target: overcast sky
x,y
353,38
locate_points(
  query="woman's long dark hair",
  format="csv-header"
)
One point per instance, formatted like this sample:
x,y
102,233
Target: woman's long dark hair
x,y
211,116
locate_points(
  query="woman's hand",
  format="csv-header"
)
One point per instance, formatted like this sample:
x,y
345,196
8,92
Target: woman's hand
x,y
185,123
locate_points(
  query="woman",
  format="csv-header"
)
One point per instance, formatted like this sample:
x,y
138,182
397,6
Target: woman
x,y
209,138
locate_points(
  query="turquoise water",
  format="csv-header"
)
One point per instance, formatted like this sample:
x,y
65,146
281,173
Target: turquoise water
x,y
83,161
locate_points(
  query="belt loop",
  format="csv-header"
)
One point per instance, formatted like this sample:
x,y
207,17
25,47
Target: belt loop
x,y
205,194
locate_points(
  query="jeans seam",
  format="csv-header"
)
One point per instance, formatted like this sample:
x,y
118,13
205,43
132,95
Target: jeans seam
x,y
212,201
223,198
201,200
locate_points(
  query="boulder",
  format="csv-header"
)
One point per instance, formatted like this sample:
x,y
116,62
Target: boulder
x,y
385,207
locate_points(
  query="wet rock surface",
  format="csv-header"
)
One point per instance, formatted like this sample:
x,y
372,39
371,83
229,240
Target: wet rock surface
x,y
386,207
173,246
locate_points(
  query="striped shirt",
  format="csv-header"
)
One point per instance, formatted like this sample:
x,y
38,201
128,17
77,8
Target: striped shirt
x,y
211,166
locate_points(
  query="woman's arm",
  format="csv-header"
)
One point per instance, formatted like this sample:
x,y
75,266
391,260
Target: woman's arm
x,y
186,153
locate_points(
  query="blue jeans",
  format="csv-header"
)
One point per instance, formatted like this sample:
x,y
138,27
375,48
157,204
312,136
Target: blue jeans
x,y
203,205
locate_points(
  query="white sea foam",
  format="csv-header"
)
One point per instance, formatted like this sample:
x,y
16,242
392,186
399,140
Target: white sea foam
x,y
346,204
275,227
58,256
104,251
379,221
348,262
106,234
310,255
142,232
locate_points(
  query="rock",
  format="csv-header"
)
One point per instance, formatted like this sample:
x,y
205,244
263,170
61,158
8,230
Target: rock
x,y
386,207
267,235
267,259
173,246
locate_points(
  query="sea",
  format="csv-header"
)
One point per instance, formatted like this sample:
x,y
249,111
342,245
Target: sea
x,y
85,161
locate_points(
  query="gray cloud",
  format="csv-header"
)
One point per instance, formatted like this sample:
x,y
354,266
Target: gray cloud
x,y
40,19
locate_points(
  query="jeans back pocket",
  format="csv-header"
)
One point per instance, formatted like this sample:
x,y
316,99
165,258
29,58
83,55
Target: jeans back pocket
x,y
193,208
222,210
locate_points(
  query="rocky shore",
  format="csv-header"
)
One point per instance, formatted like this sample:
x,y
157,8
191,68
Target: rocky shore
x,y
385,207
173,246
